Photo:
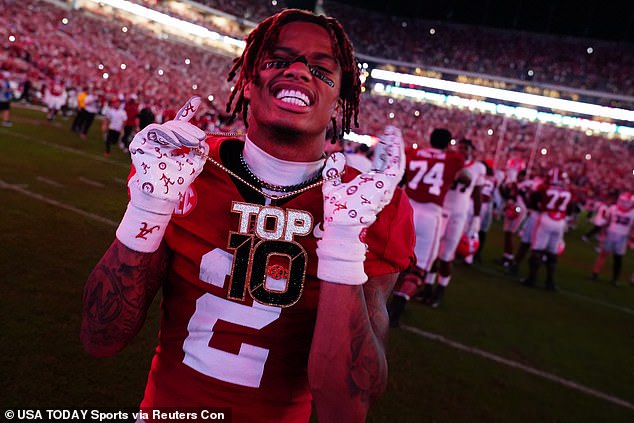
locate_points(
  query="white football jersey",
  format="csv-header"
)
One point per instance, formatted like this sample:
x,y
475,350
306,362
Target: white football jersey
x,y
458,197
620,221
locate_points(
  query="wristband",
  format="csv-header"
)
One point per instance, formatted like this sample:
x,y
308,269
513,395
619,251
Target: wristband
x,y
341,255
141,230
146,202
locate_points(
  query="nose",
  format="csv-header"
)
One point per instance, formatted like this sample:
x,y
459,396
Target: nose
x,y
299,68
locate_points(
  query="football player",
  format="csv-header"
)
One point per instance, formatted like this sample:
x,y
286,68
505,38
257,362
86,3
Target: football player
x,y
599,217
54,97
275,262
487,194
527,190
430,173
514,212
460,199
554,200
618,230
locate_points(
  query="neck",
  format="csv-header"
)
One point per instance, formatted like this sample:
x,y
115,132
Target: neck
x,y
289,147
278,171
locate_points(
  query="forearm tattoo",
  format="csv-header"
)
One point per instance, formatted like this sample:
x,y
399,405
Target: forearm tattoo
x,y
368,376
118,293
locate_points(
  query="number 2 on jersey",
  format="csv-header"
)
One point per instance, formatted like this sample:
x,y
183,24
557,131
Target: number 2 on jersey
x,y
245,368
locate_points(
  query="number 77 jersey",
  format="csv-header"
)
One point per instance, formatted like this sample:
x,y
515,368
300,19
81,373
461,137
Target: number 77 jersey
x,y
430,173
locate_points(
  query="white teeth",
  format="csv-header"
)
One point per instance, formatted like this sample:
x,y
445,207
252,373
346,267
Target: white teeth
x,y
293,97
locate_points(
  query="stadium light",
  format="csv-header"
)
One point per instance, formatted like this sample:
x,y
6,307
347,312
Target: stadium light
x,y
169,21
505,95
11,38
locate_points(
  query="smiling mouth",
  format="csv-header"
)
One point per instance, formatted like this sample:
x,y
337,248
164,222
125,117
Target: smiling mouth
x,y
293,97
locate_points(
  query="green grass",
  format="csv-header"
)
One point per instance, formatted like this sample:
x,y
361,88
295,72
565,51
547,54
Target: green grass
x,y
583,335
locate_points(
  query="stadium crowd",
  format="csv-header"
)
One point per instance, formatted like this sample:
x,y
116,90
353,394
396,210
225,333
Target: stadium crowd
x,y
510,54
44,44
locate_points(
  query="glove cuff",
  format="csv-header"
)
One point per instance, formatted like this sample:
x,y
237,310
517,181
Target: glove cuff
x,y
341,255
148,203
141,230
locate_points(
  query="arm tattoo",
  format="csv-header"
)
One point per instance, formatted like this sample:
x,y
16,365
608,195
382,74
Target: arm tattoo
x,y
368,376
117,295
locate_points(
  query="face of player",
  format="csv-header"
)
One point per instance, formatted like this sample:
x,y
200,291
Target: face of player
x,y
292,99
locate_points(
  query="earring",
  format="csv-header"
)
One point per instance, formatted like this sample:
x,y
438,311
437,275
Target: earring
x,y
335,134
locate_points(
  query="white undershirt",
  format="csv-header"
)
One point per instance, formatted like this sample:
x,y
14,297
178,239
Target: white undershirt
x,y
276,171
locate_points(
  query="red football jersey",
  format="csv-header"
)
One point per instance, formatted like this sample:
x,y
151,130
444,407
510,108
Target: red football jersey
x,y
430,173
240,302
554,200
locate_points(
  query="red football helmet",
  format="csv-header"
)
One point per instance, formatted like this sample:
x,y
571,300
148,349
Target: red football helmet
x,y
468,245
625,202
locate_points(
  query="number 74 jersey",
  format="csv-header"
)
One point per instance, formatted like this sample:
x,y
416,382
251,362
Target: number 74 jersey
x,y
430,173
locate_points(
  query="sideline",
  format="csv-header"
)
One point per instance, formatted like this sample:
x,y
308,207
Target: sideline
x,y
501,360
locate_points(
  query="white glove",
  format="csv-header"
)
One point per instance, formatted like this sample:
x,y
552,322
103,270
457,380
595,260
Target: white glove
x,y
351,207
165,167
475,225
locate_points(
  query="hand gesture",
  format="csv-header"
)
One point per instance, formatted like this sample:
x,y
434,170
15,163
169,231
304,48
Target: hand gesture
x,y
164,161
165,165
351,207
359,201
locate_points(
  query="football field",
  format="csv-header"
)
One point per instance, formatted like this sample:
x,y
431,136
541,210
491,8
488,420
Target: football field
x,y
494,351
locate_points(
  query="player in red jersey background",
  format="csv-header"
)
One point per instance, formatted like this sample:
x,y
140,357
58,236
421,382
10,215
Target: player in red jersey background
x,y
554,202
430,173
275,262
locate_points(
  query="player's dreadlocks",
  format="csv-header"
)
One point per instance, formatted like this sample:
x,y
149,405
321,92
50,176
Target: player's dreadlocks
x,y
263,38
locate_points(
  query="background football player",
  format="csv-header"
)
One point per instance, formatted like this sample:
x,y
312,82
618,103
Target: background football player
x,y
459,201
553,203
430,173
618,230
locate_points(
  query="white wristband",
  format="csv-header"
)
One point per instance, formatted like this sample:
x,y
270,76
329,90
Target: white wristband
x,y
341,255
147,202
141,230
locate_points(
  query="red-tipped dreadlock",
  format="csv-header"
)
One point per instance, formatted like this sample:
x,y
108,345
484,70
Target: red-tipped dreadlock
x,y
263,38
